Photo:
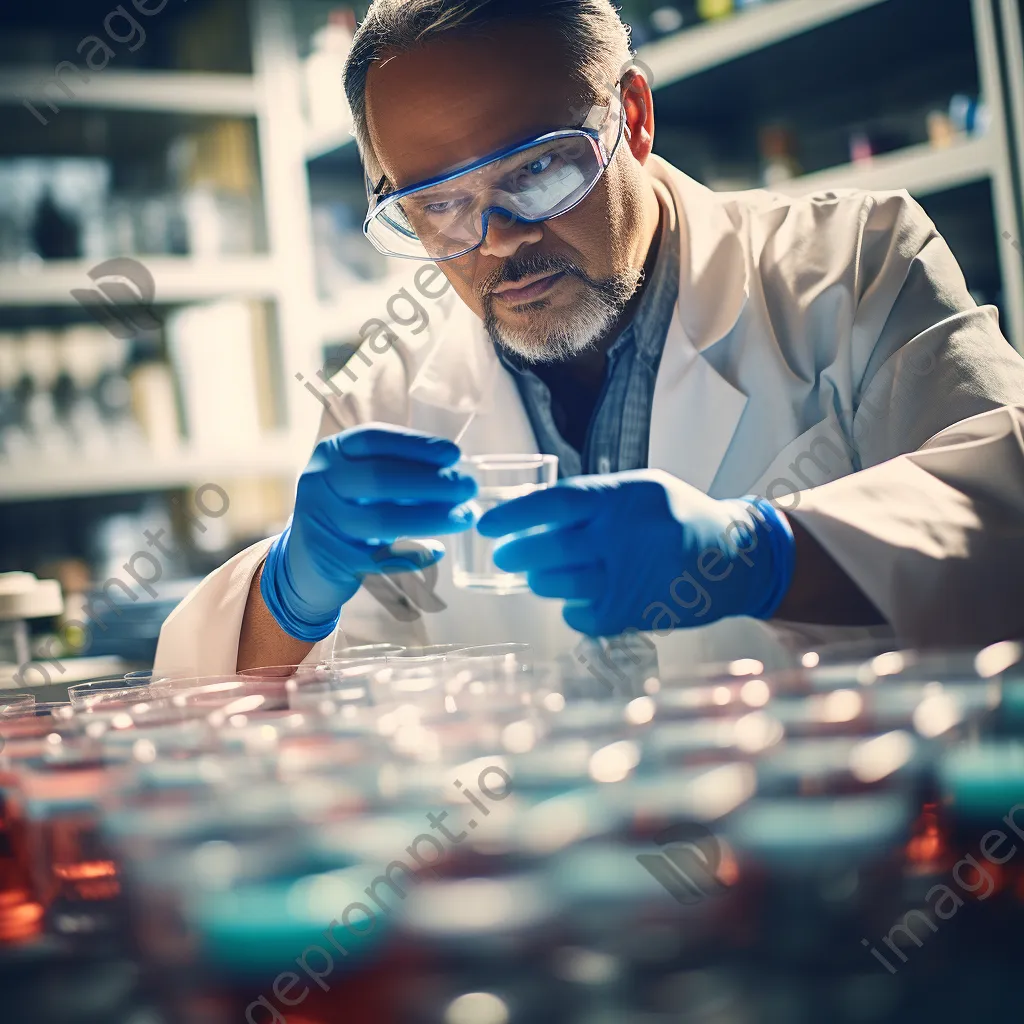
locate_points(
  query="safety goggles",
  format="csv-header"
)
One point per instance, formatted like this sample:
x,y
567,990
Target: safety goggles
x,y
447,216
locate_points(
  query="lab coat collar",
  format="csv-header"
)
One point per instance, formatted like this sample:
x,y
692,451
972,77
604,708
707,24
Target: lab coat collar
x,y
713,272
460,367
695,410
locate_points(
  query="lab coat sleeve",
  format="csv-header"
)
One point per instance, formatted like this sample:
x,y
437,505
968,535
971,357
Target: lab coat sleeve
x,y
936,537
200,637
923,354
932,526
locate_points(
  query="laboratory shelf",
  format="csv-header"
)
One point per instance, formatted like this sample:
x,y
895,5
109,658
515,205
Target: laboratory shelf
x,y
180,92
1012,16
689,52
706,46
176,279
280,457
921,170
694,50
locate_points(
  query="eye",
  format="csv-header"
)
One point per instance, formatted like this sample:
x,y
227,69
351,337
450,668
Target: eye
x,y
443,206
540,165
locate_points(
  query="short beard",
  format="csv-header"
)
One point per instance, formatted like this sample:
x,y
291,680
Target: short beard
x,y
579,328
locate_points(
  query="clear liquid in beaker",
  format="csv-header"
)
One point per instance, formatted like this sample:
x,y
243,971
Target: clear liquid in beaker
x,y
473,565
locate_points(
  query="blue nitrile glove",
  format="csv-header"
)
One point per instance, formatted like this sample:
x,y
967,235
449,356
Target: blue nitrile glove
x,y
646,551
362,490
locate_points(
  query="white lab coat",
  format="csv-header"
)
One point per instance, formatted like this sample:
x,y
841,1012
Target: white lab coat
x,y
824,345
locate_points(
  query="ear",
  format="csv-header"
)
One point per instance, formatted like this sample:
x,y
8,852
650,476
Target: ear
x,y
638,103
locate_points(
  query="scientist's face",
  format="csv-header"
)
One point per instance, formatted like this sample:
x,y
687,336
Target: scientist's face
x,y
545,291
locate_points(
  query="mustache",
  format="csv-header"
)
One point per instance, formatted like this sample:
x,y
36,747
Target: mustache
x,y
517,267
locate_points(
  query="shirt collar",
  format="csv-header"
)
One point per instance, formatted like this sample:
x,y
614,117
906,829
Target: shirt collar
x,y
663,288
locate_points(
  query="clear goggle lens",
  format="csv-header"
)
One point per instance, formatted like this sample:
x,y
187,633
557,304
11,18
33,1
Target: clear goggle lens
x,y
533,183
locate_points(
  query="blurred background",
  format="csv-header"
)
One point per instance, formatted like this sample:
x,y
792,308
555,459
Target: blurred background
x,y
204,147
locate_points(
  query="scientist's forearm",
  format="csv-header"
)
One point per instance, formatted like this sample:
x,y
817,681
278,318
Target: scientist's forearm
x,y
821,593
262,642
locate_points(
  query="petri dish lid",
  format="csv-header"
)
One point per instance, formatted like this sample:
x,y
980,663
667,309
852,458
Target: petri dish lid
x,y
752,733
517,654
698,701
1004,660
835,710
564,763
147,743
930,708
712,673
1012,711
54,794
366,652
430,652
473,909
587,717
823,678
847,653
548,826
701,794
801,834
164,823
985,780
267,803
956,665
256,929
199,773
822,761
598,875
375,840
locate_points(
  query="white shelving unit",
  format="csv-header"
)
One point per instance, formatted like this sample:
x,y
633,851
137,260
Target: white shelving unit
x,y
284,276
282,144
1013,25
1005,189
177,279
157,91
697,49
706,46
921,170
272,456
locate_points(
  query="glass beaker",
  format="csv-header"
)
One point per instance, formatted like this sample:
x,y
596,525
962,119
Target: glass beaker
x,y
499,478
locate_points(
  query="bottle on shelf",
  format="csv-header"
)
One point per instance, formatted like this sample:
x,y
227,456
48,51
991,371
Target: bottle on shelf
x,y
323,70
56,234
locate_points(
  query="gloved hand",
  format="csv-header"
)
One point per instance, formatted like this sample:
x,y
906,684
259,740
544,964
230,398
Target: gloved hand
x,y
362,490
644,550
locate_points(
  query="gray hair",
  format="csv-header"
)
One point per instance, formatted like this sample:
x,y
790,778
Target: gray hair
x,y
596,42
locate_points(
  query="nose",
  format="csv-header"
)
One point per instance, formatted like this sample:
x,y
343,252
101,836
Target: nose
x,y
505,234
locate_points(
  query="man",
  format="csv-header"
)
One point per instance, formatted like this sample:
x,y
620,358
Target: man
x,y
682,352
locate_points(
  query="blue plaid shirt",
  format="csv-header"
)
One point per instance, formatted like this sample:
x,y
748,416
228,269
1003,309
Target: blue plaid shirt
x,y
620,426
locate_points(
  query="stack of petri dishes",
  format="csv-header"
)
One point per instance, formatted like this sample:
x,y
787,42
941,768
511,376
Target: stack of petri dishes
x,y
464,835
